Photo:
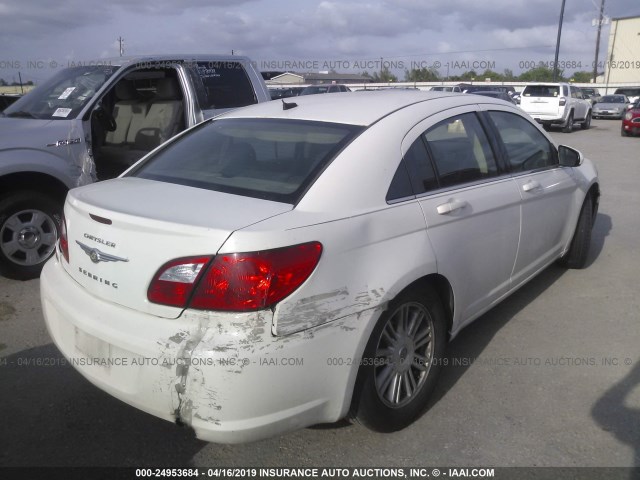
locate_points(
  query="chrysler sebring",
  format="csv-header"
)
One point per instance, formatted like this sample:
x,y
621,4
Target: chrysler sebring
x,y
301,261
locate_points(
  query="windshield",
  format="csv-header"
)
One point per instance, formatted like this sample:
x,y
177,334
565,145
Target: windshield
x,y
63,95
263,158
613,99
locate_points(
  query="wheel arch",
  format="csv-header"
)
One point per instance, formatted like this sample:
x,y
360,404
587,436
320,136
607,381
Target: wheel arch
x,y
441,285
42,182
594,195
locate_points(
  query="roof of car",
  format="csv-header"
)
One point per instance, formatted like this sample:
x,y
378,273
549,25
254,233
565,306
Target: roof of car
x,y
355,108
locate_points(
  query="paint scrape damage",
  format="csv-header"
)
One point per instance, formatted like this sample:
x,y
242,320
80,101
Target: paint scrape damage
x,y
218,346
323,308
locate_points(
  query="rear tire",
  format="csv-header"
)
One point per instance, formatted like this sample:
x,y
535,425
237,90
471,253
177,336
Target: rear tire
x,y
401,362
29,226
578,252
568,128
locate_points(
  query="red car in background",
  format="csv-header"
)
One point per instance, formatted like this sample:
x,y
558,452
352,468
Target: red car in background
x,y
631,121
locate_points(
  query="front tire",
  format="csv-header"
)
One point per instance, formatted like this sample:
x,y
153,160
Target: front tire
x,y
587,122
578,252
29,225
401,362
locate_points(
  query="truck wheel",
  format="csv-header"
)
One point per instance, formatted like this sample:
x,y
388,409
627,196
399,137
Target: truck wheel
x,y
587,122
29,225
401,362
568,128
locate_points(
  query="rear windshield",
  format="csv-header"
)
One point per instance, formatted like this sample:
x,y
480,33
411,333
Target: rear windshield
x,y
541,91
264,158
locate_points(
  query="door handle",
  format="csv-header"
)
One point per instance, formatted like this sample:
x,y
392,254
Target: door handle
x,y
451,206
531,185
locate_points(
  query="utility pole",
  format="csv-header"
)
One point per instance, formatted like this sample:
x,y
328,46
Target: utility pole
x,y
121,41
555,62
595,63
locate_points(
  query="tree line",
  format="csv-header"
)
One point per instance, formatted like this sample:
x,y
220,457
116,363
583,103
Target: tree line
x,y
537,74
4,83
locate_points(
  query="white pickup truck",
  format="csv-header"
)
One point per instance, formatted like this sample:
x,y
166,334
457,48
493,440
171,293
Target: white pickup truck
x,y
92,122
556,104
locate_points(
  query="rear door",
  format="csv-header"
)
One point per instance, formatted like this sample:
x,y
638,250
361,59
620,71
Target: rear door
x,y
546,189
471,208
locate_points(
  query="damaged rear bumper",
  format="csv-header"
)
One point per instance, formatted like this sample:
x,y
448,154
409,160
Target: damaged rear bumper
x,y
223,374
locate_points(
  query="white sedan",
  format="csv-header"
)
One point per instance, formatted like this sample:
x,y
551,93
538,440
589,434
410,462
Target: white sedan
x,y
298,262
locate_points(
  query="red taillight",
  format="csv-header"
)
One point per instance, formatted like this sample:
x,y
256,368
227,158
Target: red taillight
x,y
256,280
237,281
64,240
173,283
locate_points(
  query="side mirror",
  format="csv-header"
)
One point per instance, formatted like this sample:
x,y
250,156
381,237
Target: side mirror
x,y
569,157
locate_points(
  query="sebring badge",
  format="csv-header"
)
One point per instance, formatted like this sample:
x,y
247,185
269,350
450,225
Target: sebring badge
x,y
97,256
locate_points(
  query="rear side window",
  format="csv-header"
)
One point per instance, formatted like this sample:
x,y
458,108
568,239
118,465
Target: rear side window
x,y
541,91
263,158
527,149
222,85
460,150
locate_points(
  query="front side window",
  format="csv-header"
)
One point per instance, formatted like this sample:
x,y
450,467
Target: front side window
x,y
526,148
64,95
262,158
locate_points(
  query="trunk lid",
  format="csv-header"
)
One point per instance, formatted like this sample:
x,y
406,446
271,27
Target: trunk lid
x,y
122,231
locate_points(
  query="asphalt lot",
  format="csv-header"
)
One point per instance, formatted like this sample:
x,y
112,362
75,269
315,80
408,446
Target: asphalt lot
x,y
550,377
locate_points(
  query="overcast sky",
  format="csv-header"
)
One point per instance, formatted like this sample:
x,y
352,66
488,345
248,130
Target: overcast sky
x,y
347,36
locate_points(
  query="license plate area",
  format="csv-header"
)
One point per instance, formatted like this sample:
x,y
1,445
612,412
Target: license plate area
x,y
98,351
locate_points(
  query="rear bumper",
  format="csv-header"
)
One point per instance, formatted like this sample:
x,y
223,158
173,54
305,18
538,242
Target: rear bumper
x,y
548,119
223,374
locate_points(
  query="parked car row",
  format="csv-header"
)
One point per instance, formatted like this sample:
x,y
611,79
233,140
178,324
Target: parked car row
x,y
560,104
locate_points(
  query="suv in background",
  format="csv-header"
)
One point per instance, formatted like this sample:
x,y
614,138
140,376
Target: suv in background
x,y
93,122
556,104
633,93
